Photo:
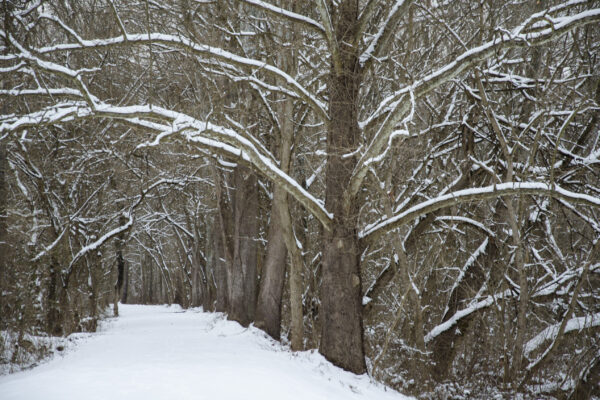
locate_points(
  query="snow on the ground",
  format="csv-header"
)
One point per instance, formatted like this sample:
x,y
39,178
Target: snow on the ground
x,y
160,352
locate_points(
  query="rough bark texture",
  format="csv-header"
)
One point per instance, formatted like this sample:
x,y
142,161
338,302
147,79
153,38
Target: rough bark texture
x,y
119,246
53,318
342,332
3,237
219,268
281,240
268,308
242,273
125,293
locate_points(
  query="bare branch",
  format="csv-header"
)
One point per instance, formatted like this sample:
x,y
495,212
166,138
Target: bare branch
x,y
289,15
375,231
397,106
331,40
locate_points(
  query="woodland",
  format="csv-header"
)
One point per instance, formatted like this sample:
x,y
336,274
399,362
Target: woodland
x,y
412,187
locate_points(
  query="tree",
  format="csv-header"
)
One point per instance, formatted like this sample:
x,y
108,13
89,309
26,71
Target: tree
x,y
407,80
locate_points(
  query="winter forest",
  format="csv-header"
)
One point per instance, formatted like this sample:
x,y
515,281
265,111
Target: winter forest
x,y
410,187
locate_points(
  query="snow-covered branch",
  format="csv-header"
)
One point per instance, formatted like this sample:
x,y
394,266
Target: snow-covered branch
x,y
196,48
443,327
397,106
551,332
384,34
289,15
103,239
167,123
374,231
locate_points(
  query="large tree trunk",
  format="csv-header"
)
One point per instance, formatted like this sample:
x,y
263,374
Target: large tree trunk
x,y
342,331
281,239
268,316
268,307
242,273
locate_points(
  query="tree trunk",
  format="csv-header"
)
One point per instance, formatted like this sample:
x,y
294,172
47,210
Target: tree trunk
x,y
268,315
150,282
119,245
268,307
197,292
342,331
242,276
200,286
220,267
125,285
296,288
3,235
53,318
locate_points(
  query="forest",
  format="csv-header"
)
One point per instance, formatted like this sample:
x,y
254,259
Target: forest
x,y
412,187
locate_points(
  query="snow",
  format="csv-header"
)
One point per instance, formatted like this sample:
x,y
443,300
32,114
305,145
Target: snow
x,y
470,261
161,352
209,135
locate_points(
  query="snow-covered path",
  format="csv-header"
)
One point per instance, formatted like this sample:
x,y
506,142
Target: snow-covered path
x,y
159,352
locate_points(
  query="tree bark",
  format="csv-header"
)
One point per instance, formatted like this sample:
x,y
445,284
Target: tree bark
x,y
242,272
53,318
342,330
220,267
125,294
119,245
268,307
272,281
3,235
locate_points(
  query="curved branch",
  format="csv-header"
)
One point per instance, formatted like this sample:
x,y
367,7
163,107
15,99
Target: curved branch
x,y
384,34
373,232
398,105
289,15
199,49
166,123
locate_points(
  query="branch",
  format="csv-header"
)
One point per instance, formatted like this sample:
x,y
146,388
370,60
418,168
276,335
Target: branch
x,y
552,332
374,231
198,49
166,123
443,327
333,45
488,301
93,246
566,325
289,15
384,34
395,107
